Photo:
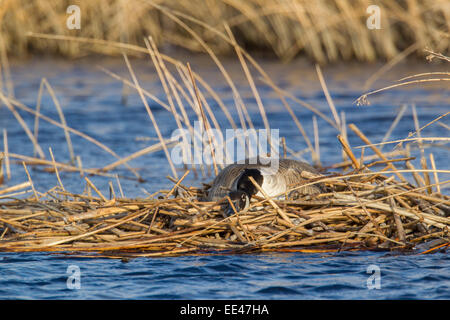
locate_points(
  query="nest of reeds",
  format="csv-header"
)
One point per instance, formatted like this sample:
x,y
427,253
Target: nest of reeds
x,y
361,210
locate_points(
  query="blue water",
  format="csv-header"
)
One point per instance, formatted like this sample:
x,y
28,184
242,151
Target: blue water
x,y
91,102
262,276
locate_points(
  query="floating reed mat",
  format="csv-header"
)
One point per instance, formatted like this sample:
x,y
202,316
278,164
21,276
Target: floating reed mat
x,y
362,210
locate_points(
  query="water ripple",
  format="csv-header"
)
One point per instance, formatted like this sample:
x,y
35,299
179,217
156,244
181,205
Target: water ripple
x,y
277,291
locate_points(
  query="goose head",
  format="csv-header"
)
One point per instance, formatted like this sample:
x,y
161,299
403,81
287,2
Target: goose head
x,y
240,200
245,189
244,183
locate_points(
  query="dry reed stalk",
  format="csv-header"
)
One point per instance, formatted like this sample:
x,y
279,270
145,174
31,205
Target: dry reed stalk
x,y
191,98
210,53
177,184
205,121
394,124
132,85
389,65
433,54
284,93
2,177
186,76
435,248
374,163
162,74
238,99
423,160
150,114
367,158
80,165
316,154
408,191
112,193
361,158
372,220
266,79
283,143
89,182
328,97
426,217
19,186
62,118
93,232
251,83
173,87
362,100
344,133
375,149
298,124
423,127
38,110
120,186
272,203
233,225
153,148
425,74
417,177
56,169
61,166
30,181
426,175
398,222
348,151
187,190
6,154
5,69
23,124
167,81
76,132
212,93
226,76
405,140
436,178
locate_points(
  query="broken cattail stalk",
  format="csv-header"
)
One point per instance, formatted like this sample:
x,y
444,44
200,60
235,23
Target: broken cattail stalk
x,y
349,152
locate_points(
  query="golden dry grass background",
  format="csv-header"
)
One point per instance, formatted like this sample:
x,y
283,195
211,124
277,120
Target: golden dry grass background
x,y
324,30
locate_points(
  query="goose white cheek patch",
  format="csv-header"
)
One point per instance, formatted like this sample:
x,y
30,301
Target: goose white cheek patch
x,y
271,184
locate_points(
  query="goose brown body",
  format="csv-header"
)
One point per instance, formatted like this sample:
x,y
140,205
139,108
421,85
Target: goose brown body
x,y
289,174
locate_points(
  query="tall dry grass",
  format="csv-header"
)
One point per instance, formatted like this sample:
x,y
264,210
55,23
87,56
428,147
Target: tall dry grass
x,y
324,30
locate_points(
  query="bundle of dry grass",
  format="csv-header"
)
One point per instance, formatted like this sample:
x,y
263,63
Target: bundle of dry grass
x,y
326,30
361,210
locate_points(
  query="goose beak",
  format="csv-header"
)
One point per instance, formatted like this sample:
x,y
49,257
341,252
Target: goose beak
x,y
240,201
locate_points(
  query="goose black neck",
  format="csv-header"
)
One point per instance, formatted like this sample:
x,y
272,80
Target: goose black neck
x,y
244,184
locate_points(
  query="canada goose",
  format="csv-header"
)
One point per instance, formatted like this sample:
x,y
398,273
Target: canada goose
x,y
233,181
